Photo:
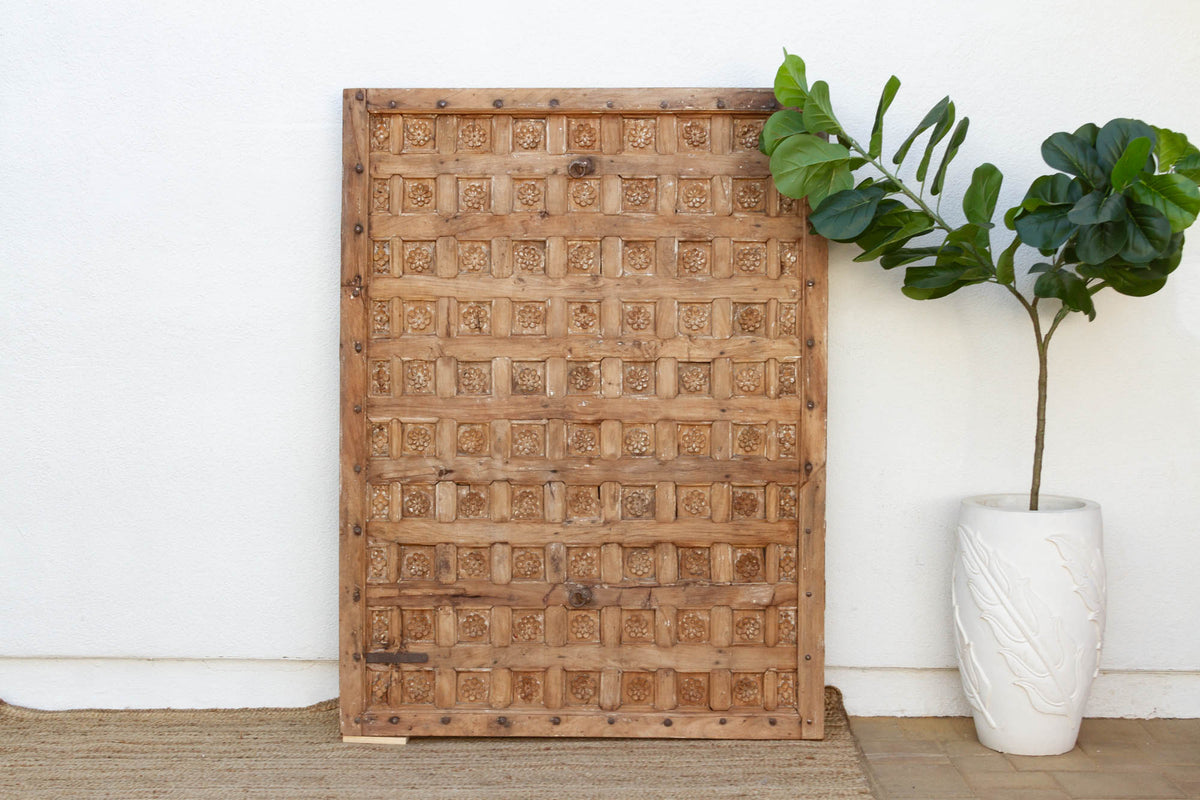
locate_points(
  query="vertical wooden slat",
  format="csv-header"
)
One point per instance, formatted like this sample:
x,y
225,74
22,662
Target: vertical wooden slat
x,y
813,420
354,453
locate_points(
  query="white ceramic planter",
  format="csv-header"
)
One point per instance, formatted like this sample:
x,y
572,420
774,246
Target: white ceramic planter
x,y
1028,600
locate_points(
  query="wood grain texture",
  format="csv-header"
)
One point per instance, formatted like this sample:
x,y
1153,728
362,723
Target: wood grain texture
x,y
354,452
583,410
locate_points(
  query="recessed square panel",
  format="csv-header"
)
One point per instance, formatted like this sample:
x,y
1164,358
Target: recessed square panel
x,y
639,134
474,258
419,196
474,133
638,257
529,135
529,318
529,195
529,257
695,134
639,195
528,439
474,195
418,258
694,259
583,134
583,257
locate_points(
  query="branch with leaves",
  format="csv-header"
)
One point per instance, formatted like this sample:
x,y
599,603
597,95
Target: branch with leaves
x,y
1111,216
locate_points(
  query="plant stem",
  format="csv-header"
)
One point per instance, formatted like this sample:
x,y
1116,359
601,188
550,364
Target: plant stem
x,y
937,219
1039,438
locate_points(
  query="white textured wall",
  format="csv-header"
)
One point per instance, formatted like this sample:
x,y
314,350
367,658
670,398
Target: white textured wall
x,y
169,190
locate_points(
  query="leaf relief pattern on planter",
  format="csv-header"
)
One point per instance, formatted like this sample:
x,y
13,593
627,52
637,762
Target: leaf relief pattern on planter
x,y
1042,658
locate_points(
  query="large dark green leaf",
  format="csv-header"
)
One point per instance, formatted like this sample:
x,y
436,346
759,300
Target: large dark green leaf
x,y
979,202
843,216
956,140
1140,280
1088,132
1175,196
1094,208
1067,287
890,237
806,166
1116,135
1073,155
1169,147
885,101
914,293
1131,163
906,255
1005,267
778,127
791,85
925,124
1098,243
1047,228
818,111
938,277
940,129
1052,190
1148,234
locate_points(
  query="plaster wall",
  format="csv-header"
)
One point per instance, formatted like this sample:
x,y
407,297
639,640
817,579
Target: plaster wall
x,y
169,179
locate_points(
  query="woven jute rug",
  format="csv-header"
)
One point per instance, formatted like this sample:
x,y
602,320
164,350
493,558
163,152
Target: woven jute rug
x,y
298,753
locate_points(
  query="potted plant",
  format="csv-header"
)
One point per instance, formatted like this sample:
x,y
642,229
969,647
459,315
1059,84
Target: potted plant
x,y
1028,588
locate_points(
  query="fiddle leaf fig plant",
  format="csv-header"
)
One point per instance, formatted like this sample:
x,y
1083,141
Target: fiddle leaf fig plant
x,y
1112,215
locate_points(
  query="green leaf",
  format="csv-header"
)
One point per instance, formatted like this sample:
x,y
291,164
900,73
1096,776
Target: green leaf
x,y
1067,287
791,85
1177,197
1140,280
932,294
804,164
1050,190
1047,228
1116,135
1149,234
1005,268
885,101
818,111
1189,164
778,127
1073,155
938,277
1094,208
893,226
956,140
1169,147
940,129
907,255
1131,163
1010,217
1088,132
979,202
1098,243
843,216
932,117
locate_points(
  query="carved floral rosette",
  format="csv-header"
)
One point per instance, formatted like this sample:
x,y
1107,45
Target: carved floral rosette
x,y
1028,611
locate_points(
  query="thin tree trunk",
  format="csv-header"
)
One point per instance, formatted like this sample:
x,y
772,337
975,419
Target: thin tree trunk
x,y
1039,439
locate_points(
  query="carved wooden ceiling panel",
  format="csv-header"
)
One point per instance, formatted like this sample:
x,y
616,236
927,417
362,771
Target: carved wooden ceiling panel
x,y
583,419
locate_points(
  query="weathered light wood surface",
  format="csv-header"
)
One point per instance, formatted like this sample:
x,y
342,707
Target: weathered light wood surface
x,y
583,419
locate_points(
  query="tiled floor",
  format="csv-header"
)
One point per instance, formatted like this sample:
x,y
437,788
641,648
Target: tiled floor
x,y
939,758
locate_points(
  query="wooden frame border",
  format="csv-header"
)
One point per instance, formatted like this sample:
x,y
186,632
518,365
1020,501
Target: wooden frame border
x,y
357,105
